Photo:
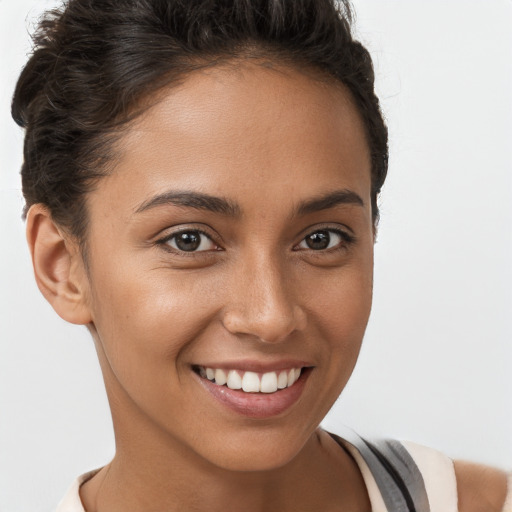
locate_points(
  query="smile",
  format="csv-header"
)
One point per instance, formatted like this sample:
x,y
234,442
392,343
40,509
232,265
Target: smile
x,y
251,382
252,393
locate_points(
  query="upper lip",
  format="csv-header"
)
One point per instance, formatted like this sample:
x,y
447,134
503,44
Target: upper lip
x,y
249,365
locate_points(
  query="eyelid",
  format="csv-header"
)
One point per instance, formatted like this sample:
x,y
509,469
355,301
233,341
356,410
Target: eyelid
x,y
163,240
345,233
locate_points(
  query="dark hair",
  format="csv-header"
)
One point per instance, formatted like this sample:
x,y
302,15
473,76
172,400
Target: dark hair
x,y
96,61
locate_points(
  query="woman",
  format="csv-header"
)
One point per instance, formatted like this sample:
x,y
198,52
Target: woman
x,y
201,182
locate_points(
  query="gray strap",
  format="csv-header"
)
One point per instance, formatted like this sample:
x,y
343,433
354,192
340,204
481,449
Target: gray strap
x,y
398,456
395,472
392,496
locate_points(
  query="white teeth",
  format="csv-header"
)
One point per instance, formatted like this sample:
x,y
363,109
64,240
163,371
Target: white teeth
x,y
282,380
234,380
220,377
251,382
268,382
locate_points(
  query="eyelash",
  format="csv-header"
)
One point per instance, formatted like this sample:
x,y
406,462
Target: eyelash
x,y
347,240
164,242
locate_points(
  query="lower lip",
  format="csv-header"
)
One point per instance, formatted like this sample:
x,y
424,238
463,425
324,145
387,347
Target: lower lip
x,y
257,405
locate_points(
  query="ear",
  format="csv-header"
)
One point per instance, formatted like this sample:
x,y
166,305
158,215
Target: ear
x,y
58,267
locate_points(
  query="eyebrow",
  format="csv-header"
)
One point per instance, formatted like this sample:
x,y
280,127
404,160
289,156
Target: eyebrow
x,y
329,200
194,200
224,206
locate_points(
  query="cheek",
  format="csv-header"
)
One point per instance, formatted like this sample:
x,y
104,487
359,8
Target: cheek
x,y
342,301
340,315
145,325
145,319
346,314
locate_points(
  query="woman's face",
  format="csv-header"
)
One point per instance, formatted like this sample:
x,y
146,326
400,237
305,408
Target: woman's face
x,y
234,239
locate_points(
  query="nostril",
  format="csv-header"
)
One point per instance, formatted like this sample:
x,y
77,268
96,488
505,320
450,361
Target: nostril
x,y
270,327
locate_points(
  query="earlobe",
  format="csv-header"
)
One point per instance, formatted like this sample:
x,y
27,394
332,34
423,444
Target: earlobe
x,y
58,267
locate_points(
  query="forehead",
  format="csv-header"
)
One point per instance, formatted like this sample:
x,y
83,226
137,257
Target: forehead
x,y
246,129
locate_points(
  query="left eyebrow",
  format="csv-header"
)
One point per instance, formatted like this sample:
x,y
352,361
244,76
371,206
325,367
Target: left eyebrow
x,y
330,200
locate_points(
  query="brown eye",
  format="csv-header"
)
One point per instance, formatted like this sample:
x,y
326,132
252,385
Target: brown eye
x,y
318,240
191,241
325,239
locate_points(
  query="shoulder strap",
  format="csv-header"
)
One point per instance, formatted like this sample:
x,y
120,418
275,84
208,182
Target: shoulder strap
x,y
404,471
396,474
439,477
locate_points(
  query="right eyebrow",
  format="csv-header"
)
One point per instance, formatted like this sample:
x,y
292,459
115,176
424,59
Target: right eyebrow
x,y
194,200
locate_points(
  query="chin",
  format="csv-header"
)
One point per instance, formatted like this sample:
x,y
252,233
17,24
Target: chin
x,y
263,460
259,451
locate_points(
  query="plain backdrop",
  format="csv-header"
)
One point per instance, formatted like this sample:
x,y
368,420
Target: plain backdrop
x,y
436,364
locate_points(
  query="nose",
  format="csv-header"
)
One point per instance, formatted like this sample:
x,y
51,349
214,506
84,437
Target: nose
x,y
263,304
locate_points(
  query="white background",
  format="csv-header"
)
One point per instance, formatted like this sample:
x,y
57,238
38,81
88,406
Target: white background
x,y
436,365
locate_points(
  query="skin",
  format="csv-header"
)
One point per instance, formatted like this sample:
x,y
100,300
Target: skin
x,y
267,140
481,488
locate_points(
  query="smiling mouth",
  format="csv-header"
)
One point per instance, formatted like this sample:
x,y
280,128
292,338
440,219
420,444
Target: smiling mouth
x,y
250,382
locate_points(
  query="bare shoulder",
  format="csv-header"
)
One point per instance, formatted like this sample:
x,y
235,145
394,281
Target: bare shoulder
x,y
480,488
